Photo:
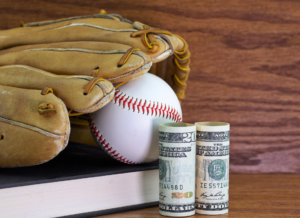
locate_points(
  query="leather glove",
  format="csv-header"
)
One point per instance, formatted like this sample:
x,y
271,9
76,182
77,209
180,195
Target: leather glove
x,y
155,45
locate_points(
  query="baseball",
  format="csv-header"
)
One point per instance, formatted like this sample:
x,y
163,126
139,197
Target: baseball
x,y
127,128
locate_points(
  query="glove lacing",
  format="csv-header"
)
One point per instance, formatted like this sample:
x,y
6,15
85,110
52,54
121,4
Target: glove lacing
x,y
181,57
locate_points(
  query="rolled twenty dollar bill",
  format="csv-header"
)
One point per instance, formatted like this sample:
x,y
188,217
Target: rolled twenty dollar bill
x,y
177,160
212,168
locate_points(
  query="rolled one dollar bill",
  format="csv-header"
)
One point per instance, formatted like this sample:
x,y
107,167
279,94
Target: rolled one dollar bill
x,y
212,168
177,160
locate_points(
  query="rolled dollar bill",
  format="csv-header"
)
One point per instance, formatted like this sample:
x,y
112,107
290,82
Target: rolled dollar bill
x,y
177,160
212,168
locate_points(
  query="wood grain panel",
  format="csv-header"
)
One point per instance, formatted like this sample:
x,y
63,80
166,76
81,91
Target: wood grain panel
x,y
245,66
262,196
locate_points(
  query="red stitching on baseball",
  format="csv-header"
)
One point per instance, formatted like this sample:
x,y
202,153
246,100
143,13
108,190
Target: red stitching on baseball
x,y
133,105
152,108
125,102
106,146
116,95
165,112
147,108
159,110
121,99
156,110
129,102
138,106
143,106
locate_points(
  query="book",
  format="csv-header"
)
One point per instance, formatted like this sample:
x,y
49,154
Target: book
x,y
82,181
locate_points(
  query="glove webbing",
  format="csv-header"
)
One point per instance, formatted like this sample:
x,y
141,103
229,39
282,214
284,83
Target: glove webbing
x,y
182,61
181,57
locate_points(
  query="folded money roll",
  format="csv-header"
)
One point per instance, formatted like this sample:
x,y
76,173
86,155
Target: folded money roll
x,y
212,168
81,94
111,61
177,157
34,127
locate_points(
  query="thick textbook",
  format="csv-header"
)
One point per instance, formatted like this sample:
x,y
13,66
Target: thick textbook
x,y
82,181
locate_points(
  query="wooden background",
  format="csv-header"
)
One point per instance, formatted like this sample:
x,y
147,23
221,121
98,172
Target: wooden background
x,y
245,66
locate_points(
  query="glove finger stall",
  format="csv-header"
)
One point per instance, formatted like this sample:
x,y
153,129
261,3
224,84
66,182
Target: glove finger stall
x,y
29,138
70,89
80,58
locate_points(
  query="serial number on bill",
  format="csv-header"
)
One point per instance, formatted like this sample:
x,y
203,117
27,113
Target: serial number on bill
x,y
170,187
213,185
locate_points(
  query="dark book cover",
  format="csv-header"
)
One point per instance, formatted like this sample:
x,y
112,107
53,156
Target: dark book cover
x,y
75,162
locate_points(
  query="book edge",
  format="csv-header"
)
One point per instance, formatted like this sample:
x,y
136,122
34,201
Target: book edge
x,y
113,210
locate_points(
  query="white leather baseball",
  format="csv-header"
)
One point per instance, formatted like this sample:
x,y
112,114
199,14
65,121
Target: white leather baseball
x,y
127,128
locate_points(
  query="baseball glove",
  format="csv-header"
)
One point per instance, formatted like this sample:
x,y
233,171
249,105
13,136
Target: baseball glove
x,y
45,47
34,126
83,56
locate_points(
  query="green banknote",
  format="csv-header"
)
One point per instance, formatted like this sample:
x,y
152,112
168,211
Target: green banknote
x,y
212,168
177,157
